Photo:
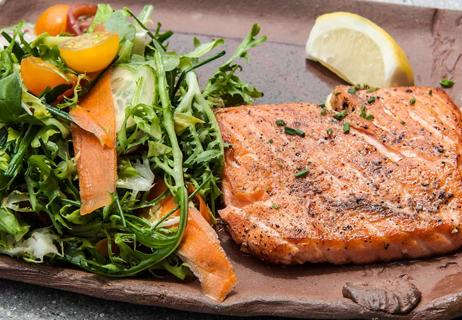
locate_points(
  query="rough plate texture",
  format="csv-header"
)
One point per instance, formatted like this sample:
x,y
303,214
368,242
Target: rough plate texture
x,y
431,39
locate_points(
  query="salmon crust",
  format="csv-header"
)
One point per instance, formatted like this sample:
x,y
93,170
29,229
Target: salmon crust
x,y
386,188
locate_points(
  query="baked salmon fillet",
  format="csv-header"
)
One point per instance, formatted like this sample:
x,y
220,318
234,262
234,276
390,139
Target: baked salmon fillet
x,y
377,178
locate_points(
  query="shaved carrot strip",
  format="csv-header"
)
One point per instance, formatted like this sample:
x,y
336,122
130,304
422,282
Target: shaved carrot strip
x,y
167,205
201,250
94,119
160,187
96,162
86,120
203,207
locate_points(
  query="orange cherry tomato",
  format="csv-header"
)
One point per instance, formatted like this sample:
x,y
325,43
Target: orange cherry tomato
x,y
53,20
79,17
37,75
90,52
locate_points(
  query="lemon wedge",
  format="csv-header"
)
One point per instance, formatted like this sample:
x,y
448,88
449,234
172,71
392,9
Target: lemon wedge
x,y
358,51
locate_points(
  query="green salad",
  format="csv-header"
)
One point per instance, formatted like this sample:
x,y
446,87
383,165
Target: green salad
x,y
165,134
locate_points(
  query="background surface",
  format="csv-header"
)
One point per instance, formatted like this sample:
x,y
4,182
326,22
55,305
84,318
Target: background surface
x,y
21,301
445,4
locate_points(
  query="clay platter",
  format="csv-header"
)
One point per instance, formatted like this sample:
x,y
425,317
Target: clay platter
x,y
432,41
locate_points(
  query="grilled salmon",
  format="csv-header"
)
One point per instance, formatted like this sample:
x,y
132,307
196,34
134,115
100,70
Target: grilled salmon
x,y
376,178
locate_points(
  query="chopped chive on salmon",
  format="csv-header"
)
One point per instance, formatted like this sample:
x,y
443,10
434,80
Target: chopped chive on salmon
x,y
340,115
363,114
346,127
294,132
352,90
280,123
301,173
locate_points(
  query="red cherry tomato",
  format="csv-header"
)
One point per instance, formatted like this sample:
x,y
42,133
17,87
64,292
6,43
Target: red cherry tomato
x,y
79,17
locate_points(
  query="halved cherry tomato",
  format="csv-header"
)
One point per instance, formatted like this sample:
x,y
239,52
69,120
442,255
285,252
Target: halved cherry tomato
x,y
90,52
37,75
53,20
79,17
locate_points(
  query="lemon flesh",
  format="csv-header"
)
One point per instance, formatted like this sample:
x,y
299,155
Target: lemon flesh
x,y
358,51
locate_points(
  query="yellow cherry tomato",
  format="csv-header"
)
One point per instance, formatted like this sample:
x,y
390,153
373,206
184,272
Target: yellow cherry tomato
x,y
53,20
90,52
38,74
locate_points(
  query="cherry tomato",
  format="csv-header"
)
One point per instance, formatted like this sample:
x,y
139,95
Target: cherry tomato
x,y
79,17
37,75
53,20
90,52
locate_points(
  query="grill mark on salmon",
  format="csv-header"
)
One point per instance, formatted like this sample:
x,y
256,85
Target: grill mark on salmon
x,y
390,189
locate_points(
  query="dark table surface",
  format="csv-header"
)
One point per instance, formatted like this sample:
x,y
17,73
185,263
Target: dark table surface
x,y
27,302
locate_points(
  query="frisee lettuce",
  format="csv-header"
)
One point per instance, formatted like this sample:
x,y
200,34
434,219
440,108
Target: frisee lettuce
x,y
40,244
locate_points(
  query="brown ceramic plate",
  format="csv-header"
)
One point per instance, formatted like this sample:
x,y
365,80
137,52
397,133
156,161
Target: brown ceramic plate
x,y
432,39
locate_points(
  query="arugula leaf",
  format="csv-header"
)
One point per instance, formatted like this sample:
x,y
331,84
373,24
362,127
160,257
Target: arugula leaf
x,y
204,48
16,162
145,119
203,157
10,98
6,63
184,120
4,160
249,42
10,224
66,169
144,15
40,113
14,47
7,57
157,149
225,88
